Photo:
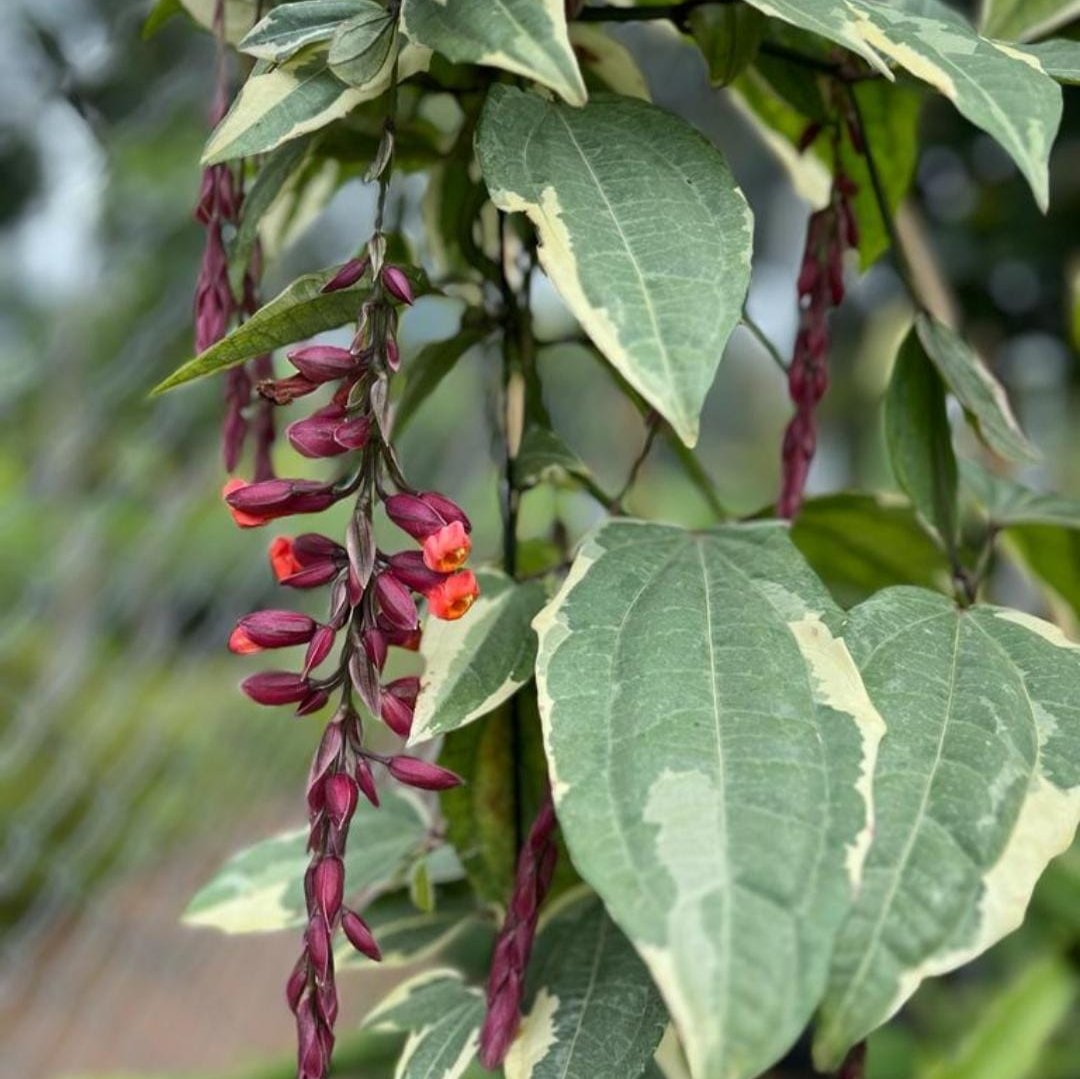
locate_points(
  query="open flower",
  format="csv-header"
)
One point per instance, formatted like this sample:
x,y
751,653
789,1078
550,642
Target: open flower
x,y
448,549
452,598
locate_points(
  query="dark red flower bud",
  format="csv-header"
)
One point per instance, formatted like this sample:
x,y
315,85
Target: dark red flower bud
x,y
397,283
284,391
328,887
295,986
317,937
321,643
405,689
315,701
313,436
340,795
323,363
353,434
396,602
500,1026
414,772
366,781
410,569
311,547
257,503
396,714
360,936
276,687
312,576
326,1000
374,641
271,629
393,354
408,639
414,515
311,1057
447,508
348,275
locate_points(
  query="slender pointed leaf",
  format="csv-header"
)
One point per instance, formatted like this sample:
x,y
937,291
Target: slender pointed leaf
x,y
1022,20
1060,59
288,28
642,230
361,46
977,787
710,743
1007,502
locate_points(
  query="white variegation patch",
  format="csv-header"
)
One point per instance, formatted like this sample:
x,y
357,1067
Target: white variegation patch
x,y
535,1038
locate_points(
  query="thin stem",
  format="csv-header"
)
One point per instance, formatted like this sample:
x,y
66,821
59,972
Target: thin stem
x,y
655,423
903,266
763,339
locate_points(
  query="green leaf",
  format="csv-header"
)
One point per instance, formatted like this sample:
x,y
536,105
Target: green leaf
x,y
426,370
1060,59
1052,555
607,64
291,27
728,37
860,543
471,666
919,438
239,15
592,1012
408,936
525,37
302,310
361,47
642,231
1022,20
300,96
261,889
710,743
160,13
977,787
442,1016
993,85
544,457
978,391
421,892
1007,502
1016,1026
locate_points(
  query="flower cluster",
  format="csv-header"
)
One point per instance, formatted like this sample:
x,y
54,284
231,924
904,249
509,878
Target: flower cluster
x,y
218,208
506,981
830,233
372,607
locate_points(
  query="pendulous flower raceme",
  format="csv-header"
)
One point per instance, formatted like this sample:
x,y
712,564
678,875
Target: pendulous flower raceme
x,y
373,606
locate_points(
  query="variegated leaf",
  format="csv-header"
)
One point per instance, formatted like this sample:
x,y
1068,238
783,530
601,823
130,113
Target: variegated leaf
x,y
288,28
607,62
526,37
710,745
656,275
302,95
261,889
471,666
1060,59
240,15
592,1011
302,310
1024,20
998,88
362,46
977,787
1007,502
975,387
442,1016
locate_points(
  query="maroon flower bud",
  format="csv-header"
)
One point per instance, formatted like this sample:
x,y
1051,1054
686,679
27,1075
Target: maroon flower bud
x,y
360,936
323,363
396,714
354,587
311,1057
340,794
271,629
353,434
348,275
396,602
310,547
500,1026
326,1000
319,648
295,986
317,937
328,887
284,391
414,515
408,639
366,781
447,508
365,677
315,701
374,641
276,687
313,576
278,498
313,436
411,570
405,689
393,354
414,772
396,282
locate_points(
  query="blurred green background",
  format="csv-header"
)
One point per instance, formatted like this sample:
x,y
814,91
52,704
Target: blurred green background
x,y
129,765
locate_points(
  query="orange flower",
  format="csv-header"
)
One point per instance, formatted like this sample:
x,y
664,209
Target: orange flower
x,y
447,549
241,643
283,560
452,598
244,520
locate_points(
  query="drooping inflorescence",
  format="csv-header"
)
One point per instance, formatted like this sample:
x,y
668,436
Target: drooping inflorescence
x,y
372,607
